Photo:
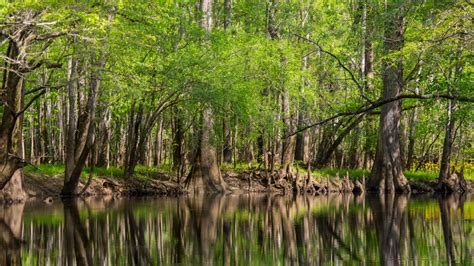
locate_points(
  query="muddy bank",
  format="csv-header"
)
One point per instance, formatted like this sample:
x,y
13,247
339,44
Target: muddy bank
x,y
48,188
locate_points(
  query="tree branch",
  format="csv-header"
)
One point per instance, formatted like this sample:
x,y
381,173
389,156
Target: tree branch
x,y
374,105
339,62
32,100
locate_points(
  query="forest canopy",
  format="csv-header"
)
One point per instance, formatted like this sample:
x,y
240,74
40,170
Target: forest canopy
x,y
193,87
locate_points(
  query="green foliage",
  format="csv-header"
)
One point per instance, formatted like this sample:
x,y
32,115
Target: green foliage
x,y
157,49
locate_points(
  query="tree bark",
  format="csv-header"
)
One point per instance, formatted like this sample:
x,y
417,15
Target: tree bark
x,y
302,139
178,141
104,136
387,172
159,142
227,150
288,145
411,135
227,13
205,175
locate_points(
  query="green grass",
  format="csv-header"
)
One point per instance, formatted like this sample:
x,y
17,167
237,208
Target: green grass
x,y
57,171
145,172
45,169
421,175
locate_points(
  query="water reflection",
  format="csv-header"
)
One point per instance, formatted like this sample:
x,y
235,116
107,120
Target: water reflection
x,y
10,234
236,230
389,211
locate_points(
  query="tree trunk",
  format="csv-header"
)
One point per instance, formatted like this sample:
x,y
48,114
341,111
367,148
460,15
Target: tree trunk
x,y
288,145
72,117
227,150
104,135
80,136
387,172
10,158
227,13
133,139
205,174
444,171
159,142
301,146
353,161
178,141
411,134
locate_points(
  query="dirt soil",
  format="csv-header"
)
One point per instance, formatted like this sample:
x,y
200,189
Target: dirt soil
x,y
48,188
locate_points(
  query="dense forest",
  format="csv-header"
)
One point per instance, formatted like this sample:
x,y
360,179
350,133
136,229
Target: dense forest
x,y
194,87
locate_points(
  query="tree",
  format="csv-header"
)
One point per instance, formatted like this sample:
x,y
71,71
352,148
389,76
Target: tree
x,y
82,114
22,30
387,172
205,173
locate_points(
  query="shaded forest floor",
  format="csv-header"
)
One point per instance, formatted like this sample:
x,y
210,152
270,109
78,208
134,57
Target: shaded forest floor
x,y
44,182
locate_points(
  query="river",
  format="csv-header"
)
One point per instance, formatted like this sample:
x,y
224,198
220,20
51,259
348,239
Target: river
x,y
258,229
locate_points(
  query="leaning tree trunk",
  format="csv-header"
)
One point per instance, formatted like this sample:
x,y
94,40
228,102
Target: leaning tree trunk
x,y
11,160
326,154
79,136
387,172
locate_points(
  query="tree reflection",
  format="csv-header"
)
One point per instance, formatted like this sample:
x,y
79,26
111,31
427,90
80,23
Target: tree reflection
x,y
388,211
76,242
11,217
241,229
450,205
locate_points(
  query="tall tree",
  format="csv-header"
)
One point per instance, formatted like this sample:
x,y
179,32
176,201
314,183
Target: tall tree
x,y
387,172
227,147
22,30
80,137
205,174
453,83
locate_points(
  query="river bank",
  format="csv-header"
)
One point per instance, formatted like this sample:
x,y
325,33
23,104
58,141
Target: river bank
x,y
47,188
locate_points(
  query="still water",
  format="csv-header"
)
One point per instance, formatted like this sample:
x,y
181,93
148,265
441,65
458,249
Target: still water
x,y
241,230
